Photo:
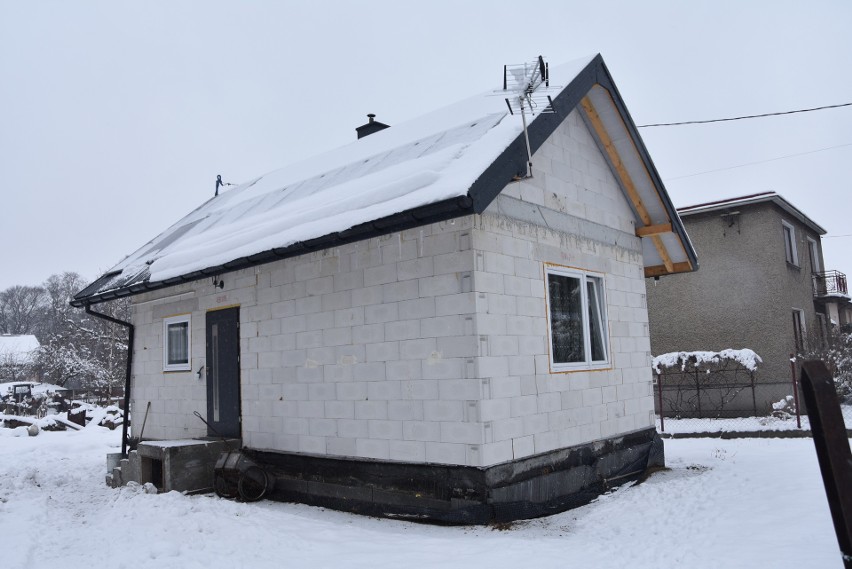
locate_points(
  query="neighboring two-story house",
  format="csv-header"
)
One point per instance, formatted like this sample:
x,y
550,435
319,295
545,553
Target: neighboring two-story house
x,y
763,286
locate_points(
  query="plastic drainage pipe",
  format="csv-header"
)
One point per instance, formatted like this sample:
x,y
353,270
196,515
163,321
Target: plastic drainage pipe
x,y
130,330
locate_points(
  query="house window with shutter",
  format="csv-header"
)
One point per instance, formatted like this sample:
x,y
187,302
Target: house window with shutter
x,y
578,329
176,343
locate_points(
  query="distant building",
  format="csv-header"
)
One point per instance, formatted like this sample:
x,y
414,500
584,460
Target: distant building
x,y
762,285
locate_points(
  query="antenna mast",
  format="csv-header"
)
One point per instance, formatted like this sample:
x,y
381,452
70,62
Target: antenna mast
x,y
524,81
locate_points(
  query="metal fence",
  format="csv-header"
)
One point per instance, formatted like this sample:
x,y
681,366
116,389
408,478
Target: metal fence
x,y
726,398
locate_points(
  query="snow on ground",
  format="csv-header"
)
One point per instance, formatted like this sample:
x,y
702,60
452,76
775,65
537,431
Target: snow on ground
x,y
723,503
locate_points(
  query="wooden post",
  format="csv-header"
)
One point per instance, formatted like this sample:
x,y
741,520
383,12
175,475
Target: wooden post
x,y
832,447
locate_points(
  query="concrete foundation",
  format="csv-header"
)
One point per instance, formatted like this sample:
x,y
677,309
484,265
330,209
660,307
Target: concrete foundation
x,y
182,465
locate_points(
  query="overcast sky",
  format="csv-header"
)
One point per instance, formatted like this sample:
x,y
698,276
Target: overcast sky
x,y
116,117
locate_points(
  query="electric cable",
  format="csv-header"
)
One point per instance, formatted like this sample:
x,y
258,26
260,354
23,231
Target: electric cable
x,y
746,116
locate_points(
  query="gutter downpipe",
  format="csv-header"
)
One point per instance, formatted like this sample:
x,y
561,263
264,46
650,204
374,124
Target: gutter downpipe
x,y
130,329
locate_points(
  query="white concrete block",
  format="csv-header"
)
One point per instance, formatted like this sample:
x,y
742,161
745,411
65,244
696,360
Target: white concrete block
x,y
371,448
402,330
421,431
384,390
381,313
371,410
398,291
385,429
353,428
408,410
350,391
417,308
407,451
442,410
383,352
445,453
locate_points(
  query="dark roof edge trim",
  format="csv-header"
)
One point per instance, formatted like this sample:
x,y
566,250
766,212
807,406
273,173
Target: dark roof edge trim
x,y
409,219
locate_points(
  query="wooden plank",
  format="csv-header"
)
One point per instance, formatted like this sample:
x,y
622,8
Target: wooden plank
x,y
615,160
624,177
664,254
660,270
650,230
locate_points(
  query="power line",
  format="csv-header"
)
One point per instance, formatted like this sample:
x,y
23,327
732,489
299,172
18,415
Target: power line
x,y
747,116
758,162
830,236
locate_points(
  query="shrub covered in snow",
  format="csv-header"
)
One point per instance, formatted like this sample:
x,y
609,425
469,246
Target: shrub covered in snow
x,y
702,359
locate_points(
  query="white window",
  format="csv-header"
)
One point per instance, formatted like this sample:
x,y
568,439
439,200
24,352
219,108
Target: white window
x,y
577,315
176,343
790,243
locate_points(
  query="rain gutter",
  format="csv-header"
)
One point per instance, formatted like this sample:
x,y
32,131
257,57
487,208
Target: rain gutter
x,y
130,329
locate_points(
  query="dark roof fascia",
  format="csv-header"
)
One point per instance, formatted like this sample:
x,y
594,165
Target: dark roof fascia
x,y
512,162
410,219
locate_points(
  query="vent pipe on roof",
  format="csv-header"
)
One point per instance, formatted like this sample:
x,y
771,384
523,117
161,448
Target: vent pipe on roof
x,y
372,126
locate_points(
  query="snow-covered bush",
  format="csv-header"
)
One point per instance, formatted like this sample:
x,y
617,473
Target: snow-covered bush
x,y
837,355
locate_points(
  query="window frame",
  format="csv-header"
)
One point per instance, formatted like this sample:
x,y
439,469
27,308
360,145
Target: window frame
x,y
586,278
170,321
813,251
791,253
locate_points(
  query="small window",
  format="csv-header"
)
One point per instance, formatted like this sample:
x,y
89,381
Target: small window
x,y
176,343
790,251
813,250
577,317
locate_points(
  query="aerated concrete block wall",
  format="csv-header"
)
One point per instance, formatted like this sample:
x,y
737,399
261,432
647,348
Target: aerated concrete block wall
x,y
428,345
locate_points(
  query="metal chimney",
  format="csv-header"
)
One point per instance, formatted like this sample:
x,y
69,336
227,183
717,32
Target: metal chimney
x,y
371,127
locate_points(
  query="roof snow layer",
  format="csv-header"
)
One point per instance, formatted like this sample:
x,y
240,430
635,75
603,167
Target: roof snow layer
x,y
448,163
18,348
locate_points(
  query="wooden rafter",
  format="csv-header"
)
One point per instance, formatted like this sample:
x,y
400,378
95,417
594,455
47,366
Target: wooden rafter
x,y
626,180
615,160
659,270
657,229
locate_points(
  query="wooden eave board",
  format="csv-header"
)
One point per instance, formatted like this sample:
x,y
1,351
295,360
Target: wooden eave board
x,y
665,249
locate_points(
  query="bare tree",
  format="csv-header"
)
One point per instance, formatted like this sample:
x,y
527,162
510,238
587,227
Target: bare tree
x,y
21,309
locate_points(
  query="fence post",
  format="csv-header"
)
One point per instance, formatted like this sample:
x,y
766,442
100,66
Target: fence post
x,y
795,391
698,391
660,392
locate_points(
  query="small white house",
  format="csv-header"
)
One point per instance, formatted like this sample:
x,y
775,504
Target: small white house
x,y
413,325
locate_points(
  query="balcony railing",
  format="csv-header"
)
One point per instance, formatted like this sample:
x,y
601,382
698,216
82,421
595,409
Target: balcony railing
x,y
830,283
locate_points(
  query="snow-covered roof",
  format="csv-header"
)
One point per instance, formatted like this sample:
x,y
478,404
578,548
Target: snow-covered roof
x,y
764,197
448,163
18,348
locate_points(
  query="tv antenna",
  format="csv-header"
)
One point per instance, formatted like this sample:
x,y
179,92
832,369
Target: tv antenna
x,y
523,83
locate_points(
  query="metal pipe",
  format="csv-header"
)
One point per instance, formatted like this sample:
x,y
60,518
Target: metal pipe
x,y
130,329
795,391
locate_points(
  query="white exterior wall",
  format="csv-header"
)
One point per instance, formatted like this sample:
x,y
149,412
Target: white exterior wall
x,y
428,345
570,213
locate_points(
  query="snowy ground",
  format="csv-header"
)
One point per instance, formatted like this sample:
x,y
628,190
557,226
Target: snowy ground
x,y
724,503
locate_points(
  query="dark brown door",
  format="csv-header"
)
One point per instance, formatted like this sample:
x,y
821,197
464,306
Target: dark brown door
x,y
223,372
